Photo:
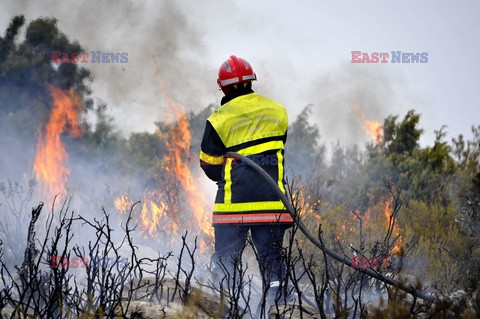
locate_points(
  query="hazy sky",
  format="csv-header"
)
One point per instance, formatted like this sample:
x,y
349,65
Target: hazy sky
x,y
300,50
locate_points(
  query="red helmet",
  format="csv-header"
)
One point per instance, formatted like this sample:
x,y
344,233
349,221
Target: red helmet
x,y
235,70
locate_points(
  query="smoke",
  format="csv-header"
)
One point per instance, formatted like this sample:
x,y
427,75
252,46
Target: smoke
x,y
169,48
164,57
165,49
164,52
345,96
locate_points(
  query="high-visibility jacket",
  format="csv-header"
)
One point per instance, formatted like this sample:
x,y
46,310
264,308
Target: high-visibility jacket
x,y
254,126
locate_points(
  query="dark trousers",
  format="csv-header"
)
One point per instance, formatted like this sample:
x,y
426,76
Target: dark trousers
x,y
267,239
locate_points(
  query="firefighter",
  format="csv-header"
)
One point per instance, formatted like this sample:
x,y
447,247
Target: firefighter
x,y
255,126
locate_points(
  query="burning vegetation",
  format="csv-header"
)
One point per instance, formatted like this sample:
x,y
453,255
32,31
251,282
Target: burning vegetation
x,y
142,197
50,166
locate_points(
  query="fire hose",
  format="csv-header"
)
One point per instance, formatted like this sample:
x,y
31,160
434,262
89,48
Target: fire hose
x,y
408,289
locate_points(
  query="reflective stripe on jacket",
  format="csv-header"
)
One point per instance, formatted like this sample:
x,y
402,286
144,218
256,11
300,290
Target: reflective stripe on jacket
x,y
254,126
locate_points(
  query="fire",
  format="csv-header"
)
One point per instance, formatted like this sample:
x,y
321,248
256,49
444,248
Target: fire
x,y
308,207
373,128
154,219
123,203
306,204
177,163
181,200
396,250
51,156
151,216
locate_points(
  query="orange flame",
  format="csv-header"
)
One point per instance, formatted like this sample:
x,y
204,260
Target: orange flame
x,y
163,211
177,163
153,219
123,203
396,250
151,216
374,129
51,155
308,206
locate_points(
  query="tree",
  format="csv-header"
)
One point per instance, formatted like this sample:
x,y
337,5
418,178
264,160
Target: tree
x,y
26,76
467,153
28,64
402,137
303,148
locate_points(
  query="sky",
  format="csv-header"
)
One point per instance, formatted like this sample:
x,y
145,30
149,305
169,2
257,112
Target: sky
x,y
300,51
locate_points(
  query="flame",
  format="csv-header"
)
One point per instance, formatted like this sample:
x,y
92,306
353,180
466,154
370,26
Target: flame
x,y
308,207
123,203
151,216
396,250
51,156
181,200
373,128
177,163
